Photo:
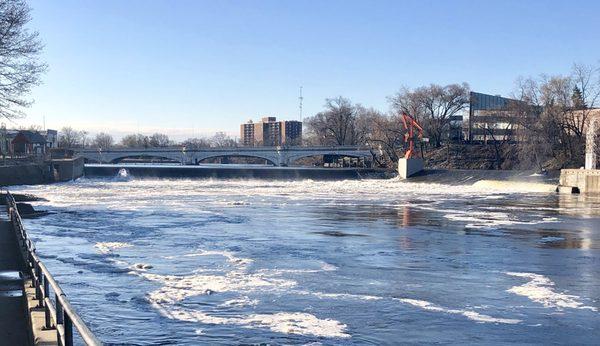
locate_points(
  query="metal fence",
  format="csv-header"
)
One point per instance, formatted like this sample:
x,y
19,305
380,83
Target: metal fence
x,y
59,313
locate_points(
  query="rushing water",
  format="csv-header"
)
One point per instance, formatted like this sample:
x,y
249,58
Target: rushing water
x,y
308,262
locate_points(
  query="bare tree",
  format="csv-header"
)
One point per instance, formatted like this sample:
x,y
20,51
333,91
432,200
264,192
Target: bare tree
x,y
387,139
158,140
137,140
20,67
70,138
196,143
433,106
553,117
103,141
336,125
222,140
498,129
585,85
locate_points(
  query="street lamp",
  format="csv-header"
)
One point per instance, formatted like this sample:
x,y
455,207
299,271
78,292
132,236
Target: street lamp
x,y
183,149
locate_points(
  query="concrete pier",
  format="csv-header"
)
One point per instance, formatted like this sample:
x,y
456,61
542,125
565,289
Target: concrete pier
x,y
579,181
13,306
409,167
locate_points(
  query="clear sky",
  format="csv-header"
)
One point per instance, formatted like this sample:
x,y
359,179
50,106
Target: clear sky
x,y
193,67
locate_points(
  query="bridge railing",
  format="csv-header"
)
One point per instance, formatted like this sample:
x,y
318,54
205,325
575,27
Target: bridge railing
x,y
59,314
219,149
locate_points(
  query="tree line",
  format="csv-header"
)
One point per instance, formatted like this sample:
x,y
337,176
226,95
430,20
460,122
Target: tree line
x,y
71,138
344,123
543,126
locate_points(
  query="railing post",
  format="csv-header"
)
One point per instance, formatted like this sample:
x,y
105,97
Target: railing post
x,y
68,330
59,319
41,286
38,286
30,264
46,307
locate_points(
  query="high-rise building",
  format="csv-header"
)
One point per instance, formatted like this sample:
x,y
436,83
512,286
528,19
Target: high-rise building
x,y
270,132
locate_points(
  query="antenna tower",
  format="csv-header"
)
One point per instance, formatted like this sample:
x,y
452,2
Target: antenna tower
x,y
301,99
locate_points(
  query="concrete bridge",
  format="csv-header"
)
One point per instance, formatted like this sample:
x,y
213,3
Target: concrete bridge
x,y
277,156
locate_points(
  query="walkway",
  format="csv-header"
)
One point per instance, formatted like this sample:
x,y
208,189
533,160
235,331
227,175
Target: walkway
x,y
13,319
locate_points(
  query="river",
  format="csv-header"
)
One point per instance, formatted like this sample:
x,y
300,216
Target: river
x,y
322,262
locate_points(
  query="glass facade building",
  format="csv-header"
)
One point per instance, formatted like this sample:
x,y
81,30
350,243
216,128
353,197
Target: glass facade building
x,y
490,118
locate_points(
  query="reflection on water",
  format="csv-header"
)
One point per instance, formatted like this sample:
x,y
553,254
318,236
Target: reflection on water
x,y
579,204
347,262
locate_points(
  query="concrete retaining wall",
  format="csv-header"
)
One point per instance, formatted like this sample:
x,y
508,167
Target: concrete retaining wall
x,y
43,173
25,174
585,180
67,169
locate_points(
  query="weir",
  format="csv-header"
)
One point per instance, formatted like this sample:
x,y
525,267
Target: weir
x,y
41,314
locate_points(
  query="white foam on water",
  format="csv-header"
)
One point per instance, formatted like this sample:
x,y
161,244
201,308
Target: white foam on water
x,y
328,267
167,299
489,219
515,186
323,295
108,247
241,302
176,288
300,323
230,257
540,289
472,315
141,266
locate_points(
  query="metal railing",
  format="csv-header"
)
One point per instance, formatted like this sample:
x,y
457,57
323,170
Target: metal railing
x,y
59,314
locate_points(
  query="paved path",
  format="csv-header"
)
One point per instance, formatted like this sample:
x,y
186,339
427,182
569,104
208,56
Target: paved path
x,y
13,320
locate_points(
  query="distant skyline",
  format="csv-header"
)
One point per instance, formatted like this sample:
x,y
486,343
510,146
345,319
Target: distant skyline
x,y
190,68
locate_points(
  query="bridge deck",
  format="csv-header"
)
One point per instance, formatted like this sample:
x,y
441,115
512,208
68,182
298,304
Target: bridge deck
x,y
13,317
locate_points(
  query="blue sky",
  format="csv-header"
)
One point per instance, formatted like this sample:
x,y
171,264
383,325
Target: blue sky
x,y
188,68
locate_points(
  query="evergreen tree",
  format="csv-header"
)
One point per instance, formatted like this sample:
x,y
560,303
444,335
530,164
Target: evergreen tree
x,y
577,99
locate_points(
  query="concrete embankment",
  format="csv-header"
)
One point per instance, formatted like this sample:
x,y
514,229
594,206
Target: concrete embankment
x,y
580,181
233,172
41,173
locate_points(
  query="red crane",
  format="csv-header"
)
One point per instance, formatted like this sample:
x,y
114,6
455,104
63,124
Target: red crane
x,y
410,124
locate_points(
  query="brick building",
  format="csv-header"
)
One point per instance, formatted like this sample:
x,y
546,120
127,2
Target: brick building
x,y
269,133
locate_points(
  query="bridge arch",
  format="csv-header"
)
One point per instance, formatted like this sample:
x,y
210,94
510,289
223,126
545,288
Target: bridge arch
x,y
199,158
148,157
